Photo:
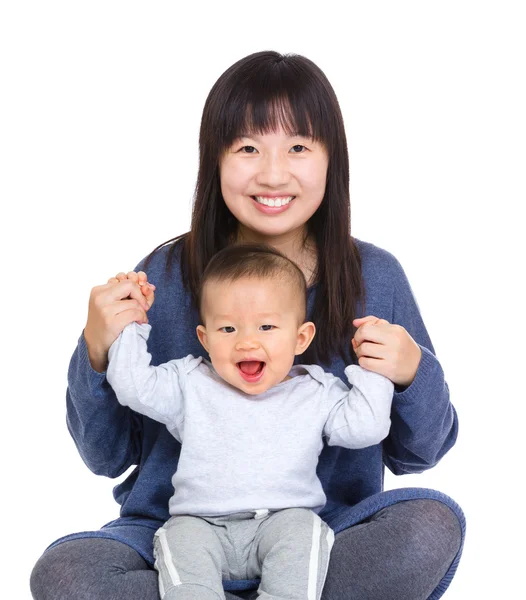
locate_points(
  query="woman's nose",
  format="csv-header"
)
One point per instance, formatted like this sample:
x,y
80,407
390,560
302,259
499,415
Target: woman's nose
x,y
274,171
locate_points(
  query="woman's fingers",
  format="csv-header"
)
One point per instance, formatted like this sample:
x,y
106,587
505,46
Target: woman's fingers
x,y
372,332
362,320
120,306
127,317
360,324
122,290
133,276
371,319
145,295
125,312
148,293
371,350
140,278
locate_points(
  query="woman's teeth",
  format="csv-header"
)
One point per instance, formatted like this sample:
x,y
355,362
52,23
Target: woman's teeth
x,y
274,201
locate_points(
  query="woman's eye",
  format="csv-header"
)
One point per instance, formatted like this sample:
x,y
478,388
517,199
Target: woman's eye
x,y
296,146
267,327
227,329
299,146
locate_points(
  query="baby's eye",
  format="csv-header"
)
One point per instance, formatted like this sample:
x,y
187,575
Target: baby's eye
x,y
227,329
267,327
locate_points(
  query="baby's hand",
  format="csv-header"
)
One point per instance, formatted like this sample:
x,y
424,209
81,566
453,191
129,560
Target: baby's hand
x,y
141,280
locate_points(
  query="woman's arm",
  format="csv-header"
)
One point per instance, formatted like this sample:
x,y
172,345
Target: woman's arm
x,y
108,436
424,423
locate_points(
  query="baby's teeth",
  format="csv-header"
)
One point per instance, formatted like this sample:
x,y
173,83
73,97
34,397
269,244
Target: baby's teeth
x,y
277,202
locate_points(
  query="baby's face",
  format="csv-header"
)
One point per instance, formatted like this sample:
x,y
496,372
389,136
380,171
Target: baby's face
x,y
252,331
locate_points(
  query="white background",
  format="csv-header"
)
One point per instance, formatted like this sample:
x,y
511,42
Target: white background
x,y
100,110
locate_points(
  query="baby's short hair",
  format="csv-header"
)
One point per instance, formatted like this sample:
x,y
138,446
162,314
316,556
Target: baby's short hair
x,y
253,260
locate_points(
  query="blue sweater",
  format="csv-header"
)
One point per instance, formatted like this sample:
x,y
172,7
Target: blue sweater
x,y
110,437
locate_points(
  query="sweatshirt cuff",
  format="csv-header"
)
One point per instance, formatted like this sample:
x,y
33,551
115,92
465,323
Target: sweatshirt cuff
x,y
421,384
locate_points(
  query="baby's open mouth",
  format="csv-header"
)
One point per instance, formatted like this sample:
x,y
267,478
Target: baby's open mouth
x,y
251,367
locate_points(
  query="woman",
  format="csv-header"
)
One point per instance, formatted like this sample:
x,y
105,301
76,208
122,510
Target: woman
x,y
273,168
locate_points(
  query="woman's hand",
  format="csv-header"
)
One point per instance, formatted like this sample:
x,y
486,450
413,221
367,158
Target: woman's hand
x,y
141,279
111,307
386,349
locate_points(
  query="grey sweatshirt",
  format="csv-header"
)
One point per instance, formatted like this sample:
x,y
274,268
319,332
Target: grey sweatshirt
x,y
242,452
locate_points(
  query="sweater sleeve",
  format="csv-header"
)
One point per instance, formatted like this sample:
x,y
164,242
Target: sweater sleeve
x,y
424,422
358,417
107,435
156,392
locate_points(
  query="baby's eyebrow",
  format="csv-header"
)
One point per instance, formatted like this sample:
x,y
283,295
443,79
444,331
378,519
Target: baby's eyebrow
x,y
221,317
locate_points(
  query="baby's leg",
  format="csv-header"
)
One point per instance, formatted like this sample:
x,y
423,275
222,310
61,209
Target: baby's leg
x,y
292,549
190,560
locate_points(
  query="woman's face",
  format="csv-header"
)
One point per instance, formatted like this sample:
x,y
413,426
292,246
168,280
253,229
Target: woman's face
x,y
260,173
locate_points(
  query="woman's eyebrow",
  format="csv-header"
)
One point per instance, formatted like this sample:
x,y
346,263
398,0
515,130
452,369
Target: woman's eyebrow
x,y
257,137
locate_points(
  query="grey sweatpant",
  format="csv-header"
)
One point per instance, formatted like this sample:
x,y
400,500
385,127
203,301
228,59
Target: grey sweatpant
x,y
288,549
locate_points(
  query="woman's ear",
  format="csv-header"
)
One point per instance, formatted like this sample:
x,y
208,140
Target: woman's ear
x,y
306,334
201,334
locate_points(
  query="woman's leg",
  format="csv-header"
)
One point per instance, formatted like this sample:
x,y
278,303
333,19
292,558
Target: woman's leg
x,y
94,568
402,552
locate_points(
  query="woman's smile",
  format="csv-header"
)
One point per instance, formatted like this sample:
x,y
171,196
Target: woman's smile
x,y
272,206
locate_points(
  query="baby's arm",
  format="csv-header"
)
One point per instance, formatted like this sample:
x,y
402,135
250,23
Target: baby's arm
x,y
156,392
359,417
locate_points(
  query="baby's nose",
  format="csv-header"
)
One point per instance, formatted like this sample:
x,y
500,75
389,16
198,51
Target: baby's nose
x,y
247,343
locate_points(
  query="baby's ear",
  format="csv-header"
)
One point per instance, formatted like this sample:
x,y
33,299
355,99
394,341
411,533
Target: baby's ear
x,y
306,333
203,338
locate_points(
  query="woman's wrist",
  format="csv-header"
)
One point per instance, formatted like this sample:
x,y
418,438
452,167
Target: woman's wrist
x,y
98,364
97,358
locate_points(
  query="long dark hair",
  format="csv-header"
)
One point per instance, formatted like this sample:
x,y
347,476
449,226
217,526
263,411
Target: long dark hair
x,y
256,95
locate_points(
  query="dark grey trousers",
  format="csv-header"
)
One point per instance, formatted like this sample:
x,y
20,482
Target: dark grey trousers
x,y
401,553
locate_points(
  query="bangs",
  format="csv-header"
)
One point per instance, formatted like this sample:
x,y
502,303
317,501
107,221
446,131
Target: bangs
x,y
271,115
262,106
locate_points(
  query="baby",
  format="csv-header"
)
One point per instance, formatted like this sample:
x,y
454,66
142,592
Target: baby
x,y
251,424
